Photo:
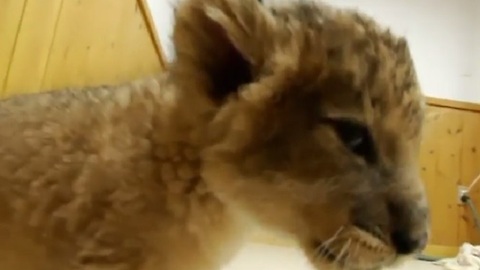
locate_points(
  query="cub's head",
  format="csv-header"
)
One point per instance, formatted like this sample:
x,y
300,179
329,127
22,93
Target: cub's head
x,y
316,124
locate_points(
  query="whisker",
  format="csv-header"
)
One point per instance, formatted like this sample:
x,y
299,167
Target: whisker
x,y
327,254
333,237
324,249
342,252
348,258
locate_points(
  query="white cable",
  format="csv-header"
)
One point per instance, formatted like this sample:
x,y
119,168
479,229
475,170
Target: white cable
x,y
473,183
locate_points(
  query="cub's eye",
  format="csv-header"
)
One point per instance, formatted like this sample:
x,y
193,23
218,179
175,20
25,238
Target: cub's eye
x,y
356,137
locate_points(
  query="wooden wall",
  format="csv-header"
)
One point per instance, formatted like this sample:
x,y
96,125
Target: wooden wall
x,y
58,43
450,157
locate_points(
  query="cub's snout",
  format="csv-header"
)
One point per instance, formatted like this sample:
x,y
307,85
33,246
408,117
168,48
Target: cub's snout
x,y
409,231
402,224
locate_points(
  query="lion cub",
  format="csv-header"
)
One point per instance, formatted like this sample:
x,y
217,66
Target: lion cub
x,y
299,117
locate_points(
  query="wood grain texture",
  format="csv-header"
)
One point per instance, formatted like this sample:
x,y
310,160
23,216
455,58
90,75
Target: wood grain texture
x,y
442,154
33,45
11,14
450,158
453,104
75,43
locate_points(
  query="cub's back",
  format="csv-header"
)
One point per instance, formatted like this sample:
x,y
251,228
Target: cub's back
x,y
75,166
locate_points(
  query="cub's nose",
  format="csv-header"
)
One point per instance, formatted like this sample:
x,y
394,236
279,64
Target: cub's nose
x,y
406,243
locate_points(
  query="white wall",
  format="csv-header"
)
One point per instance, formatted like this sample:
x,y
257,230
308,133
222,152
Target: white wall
x,y
162,13
477,48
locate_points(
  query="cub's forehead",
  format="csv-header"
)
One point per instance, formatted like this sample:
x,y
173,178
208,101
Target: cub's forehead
x,y
373,65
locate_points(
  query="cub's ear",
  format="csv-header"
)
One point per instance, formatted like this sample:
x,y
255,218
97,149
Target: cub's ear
x,y
221,44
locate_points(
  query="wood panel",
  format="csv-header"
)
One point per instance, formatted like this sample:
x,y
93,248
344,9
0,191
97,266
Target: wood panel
x,y
450,158
34,41
63,43
440,158
453,104
11,14
470,169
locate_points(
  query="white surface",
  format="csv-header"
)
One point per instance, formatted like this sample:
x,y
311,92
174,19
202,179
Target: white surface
x,y
468,258
441,34
264,257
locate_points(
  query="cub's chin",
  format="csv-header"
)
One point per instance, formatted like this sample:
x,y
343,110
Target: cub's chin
x,y
351,248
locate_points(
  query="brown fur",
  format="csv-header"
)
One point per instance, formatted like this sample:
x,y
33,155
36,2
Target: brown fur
x,y
168,173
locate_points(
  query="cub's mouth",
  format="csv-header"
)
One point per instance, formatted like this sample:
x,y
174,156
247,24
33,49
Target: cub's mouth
x,y
355,247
